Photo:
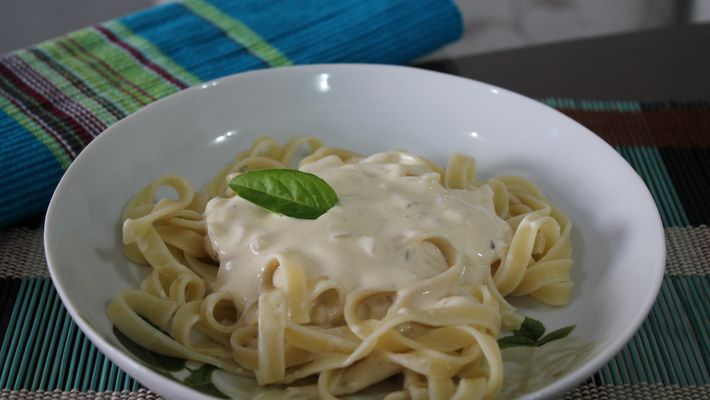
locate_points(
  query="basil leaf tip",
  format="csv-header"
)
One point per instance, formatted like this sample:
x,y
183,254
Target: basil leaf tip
x,y
290,192
555,335
532,334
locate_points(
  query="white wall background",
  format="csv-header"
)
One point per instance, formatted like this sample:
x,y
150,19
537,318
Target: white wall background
x,y
505,24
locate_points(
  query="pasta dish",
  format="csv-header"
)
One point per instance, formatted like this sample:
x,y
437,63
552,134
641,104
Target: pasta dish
x,y
404,280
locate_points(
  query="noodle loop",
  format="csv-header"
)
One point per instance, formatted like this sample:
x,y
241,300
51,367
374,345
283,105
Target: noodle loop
x,y
434,329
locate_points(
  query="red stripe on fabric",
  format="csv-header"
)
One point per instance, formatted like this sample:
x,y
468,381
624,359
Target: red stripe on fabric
x,y
39,121
140,57
74,126
47,123
114,73
77,82
31,77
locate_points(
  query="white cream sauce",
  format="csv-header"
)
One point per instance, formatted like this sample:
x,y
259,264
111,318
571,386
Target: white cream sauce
x,y
376,237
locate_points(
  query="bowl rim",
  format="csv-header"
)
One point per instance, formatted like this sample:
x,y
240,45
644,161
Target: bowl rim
x,y
169,388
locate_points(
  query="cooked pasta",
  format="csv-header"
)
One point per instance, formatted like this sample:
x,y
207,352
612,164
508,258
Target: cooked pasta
x,y
405,280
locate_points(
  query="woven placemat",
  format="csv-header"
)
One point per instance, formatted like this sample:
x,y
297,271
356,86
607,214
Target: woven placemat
x,y
22,253
639,391
620,392
140,394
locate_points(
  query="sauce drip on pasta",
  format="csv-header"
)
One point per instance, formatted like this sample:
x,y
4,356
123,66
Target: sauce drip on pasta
x,y
394,227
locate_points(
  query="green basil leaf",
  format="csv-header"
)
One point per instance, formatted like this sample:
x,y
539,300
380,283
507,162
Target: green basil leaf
x,y
289,192
555,335
201,380
515,341
158,362
531,328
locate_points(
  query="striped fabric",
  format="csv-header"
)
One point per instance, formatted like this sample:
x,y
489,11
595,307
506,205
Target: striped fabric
x,y
57,96
43,355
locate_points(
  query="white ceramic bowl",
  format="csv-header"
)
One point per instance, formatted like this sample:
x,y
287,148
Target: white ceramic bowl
x,y
618,237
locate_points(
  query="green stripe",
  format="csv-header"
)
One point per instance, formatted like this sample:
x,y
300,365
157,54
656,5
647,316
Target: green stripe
x,y
37,131
592,105
47,349
51,118
9,343
130,69
85,381
29,357
666,322
22,334
672,345
44,350
105,380
58,364
649,165
67,88
641,359
74,361
695,295
64,52
239,32
655,364
84,85
682,316
151,51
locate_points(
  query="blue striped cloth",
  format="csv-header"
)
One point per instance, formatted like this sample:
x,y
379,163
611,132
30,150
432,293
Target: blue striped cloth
x,y
57,96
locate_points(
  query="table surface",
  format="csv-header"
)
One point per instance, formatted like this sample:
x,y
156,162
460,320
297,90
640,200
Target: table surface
x,y
662,64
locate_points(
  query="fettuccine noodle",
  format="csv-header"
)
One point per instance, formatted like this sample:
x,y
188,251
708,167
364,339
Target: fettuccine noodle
x,y
325,330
